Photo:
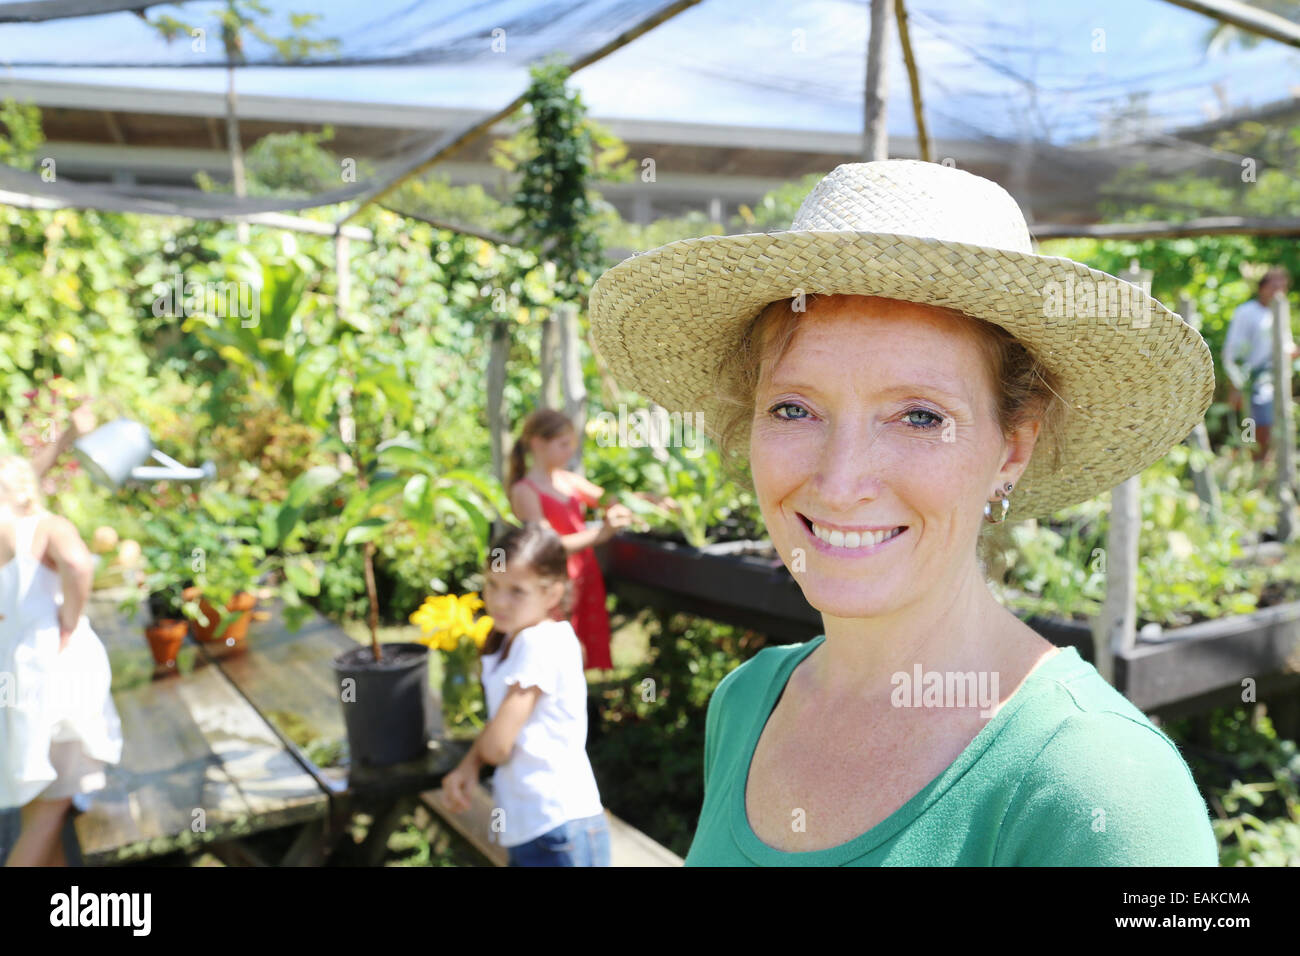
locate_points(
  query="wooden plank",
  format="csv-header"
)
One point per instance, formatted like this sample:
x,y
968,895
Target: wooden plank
x,y
198,763
288,677
474,824
1213,658
628,846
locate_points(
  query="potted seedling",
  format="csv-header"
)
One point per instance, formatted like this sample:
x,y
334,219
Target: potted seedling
x,y
224,578
222,544
168,623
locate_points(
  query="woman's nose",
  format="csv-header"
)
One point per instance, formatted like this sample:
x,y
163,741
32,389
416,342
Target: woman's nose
x,y
849,464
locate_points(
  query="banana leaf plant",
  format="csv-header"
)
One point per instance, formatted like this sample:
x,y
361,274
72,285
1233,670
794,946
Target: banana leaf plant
x,y
256,322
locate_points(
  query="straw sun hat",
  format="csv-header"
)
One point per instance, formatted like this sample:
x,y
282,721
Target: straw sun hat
x,y
1138,378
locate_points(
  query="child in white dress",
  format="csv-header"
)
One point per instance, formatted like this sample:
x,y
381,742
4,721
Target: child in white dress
x,y
58,725
548,809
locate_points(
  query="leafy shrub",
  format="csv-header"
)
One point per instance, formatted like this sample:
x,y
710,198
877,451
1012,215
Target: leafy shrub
x,y
648,754
1258,822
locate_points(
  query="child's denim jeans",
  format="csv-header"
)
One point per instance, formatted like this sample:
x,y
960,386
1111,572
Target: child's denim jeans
x,y
583,842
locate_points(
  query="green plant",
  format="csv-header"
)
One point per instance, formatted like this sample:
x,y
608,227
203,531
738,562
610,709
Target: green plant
x,y
556,152
647,747
1189,568
393,482
705,499
1251,777
217,543
447,625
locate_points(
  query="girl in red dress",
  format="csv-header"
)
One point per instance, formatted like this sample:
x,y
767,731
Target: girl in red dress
x,y
549,493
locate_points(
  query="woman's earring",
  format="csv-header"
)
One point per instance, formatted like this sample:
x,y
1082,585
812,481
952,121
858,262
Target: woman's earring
x,y
1003,493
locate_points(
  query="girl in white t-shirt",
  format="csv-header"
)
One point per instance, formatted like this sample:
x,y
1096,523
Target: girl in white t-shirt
x,y
548,809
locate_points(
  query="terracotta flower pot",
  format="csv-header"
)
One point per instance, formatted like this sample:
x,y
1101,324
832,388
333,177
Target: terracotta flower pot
x,y
165,638
238,628
242,603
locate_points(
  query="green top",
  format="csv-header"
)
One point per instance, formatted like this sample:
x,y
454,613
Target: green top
x,y
1067,772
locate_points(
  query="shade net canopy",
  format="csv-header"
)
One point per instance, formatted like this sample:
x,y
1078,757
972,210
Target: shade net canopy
x,y
456,55
1086,111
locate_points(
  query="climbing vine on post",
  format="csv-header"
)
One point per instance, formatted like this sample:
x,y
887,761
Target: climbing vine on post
x,y
556,153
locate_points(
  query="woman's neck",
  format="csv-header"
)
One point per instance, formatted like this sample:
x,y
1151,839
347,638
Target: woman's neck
x,y
953,630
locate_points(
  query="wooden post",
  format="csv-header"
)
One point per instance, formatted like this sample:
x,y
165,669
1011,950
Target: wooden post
x,y
342,274
550,380
575,391
234,146
875,143
914,80
1115,630
1283,434
659,439
496,386
1207,489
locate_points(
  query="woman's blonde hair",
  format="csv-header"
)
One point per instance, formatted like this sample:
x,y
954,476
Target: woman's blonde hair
x,y
20,490
1026,390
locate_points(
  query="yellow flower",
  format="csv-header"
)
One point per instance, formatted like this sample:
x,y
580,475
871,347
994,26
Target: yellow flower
x,y
445,619
479,632
436,613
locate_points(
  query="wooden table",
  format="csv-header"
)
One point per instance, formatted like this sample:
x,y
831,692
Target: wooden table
x,y
288,678
235,742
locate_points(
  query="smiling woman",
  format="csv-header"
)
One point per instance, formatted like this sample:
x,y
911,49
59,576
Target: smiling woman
x,y
1023,388
888,372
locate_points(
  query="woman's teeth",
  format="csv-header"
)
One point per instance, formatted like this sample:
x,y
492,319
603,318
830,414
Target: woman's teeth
x,y
852,539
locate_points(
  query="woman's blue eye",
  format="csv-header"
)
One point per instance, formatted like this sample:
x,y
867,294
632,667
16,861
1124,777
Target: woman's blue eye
x,y
936,420
772,411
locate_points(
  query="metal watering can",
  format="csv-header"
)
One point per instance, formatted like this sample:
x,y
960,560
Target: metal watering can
x,y
116,453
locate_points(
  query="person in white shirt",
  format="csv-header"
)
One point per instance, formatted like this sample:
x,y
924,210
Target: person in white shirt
x,y
548,804
1248,356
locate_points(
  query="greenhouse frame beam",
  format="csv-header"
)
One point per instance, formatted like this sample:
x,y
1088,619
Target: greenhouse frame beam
x,y
274,220
913,80
1245,17
1206,226
454,139
63,9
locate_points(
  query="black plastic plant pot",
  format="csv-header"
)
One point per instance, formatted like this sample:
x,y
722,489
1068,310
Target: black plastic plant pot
x,y
387,707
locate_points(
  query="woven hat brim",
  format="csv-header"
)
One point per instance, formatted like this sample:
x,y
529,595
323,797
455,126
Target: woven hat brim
x,y
1136,385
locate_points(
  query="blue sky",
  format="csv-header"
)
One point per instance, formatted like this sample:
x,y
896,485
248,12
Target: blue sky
x,y
757,62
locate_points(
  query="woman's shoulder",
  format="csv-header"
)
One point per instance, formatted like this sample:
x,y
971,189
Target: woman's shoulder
x,y
1071,708
755,674
1100,782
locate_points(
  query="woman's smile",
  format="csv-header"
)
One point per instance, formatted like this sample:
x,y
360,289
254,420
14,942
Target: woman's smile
x,y
852,544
